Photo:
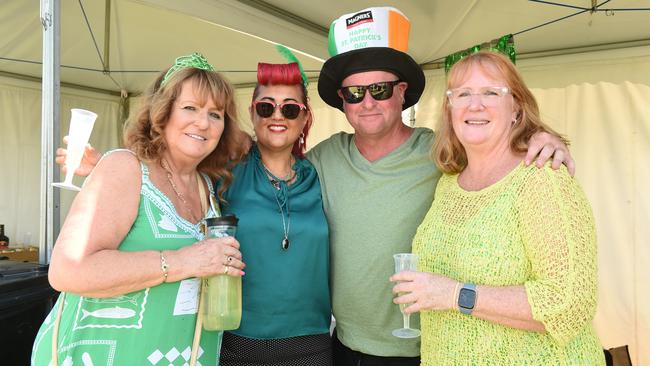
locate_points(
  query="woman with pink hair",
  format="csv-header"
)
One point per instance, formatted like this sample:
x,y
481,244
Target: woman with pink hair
x,y
283,233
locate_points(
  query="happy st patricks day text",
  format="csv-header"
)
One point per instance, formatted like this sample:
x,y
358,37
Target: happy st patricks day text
x,y
359,38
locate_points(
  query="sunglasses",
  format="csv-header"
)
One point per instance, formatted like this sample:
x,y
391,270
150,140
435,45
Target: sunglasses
x,y
290,110
379,91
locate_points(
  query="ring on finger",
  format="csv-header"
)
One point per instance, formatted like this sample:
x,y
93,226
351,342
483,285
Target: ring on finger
x,y
229,259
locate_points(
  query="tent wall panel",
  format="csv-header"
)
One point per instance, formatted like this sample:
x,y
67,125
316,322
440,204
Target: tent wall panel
x,y
20,131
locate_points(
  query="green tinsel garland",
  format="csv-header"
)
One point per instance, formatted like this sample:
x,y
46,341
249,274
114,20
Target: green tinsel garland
x,y
504,45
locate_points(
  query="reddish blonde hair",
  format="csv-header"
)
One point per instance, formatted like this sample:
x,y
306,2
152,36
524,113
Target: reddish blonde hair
x,y
144,131
447,151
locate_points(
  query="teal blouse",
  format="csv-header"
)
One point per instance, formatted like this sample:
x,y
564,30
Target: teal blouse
x,y
285,293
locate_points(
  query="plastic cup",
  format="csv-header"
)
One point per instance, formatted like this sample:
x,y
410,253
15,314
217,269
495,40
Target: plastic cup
x,y
81,125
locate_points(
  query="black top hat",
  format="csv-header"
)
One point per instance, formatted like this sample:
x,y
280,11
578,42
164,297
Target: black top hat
x,y
372,39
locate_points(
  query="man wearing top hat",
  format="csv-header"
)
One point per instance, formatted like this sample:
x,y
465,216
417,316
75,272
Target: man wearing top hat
x,y
377,183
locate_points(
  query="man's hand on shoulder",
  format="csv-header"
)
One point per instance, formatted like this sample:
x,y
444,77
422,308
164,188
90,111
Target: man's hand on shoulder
x,y
542,146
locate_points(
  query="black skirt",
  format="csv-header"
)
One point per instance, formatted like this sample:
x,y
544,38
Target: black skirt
x,y
310,350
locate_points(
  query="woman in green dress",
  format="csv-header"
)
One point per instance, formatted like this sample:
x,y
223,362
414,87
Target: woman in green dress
x,y
131,249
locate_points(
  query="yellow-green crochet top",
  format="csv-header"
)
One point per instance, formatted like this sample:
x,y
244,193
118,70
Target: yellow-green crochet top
x,y
534,228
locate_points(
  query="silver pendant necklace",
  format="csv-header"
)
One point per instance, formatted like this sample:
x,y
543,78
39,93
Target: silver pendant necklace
x,y
285,227
275,183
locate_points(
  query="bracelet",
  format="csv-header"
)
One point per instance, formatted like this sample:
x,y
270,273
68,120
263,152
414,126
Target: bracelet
x,y
164,266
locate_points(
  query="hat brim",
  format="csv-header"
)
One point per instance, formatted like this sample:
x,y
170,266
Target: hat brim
x,y
387,59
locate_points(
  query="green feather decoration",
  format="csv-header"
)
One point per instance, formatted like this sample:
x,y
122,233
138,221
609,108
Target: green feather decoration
x,y
287,54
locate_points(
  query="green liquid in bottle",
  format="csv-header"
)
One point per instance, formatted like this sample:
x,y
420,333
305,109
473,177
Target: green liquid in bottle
x,y
221,302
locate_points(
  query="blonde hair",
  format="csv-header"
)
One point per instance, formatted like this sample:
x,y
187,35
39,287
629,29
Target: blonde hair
x,y
447,151
144,131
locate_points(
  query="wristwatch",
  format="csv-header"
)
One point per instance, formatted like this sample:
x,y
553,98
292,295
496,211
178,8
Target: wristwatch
x,y
467,298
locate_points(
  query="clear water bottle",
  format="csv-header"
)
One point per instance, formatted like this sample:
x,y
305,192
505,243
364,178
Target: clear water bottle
x,y
221,293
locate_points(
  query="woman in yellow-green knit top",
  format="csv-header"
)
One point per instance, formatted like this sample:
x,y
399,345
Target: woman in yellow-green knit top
x,y
507,252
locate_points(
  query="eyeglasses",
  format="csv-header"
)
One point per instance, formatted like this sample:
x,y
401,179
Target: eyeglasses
x,y
490,96
290,110
379,91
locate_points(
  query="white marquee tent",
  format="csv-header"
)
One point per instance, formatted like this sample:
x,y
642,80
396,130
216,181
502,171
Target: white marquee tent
x,y
589,71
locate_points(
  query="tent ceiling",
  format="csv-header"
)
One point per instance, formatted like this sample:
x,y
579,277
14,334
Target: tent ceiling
x,y
145,35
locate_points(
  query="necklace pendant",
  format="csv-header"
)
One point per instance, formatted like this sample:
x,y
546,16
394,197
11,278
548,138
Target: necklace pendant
x,y
285,243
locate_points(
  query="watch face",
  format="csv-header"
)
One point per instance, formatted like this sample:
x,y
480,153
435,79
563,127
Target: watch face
x,y
466,298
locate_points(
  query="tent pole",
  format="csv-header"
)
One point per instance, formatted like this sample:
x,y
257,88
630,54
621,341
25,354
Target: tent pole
x,y
107,37
50,128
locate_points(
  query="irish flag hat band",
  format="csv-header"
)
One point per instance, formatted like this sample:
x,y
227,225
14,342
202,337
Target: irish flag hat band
x,y
368,40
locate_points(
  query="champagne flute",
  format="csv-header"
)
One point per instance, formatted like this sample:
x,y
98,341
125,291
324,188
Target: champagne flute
x,y
405,262
81,125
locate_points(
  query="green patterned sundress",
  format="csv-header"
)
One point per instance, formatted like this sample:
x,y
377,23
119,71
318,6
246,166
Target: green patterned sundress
x,y
154,326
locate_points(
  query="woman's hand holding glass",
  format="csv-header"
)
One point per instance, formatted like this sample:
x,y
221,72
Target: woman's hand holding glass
x,y
209,257
89,159
81,126
424,291
405,262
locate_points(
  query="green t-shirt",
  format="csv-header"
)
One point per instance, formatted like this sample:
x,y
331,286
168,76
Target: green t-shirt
x,y
373,210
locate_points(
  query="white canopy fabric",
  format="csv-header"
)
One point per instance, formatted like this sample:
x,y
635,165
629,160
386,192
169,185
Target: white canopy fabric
x,y
599,99
146,35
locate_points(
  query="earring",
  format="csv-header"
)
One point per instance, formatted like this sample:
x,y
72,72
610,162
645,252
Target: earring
x,y
301,141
